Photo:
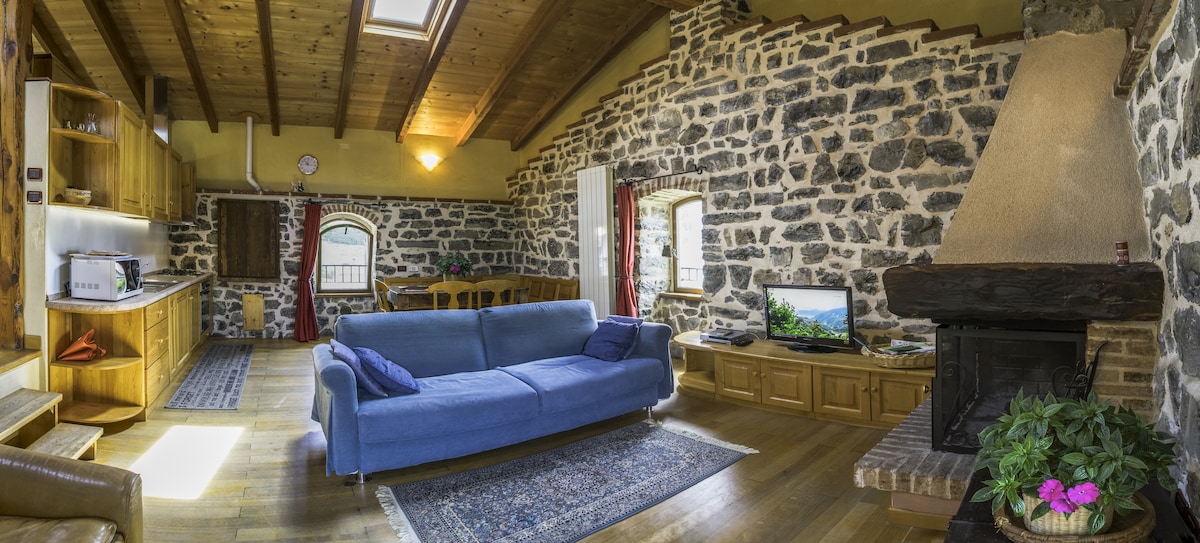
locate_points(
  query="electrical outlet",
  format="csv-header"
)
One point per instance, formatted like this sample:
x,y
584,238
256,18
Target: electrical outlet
x,y
402,268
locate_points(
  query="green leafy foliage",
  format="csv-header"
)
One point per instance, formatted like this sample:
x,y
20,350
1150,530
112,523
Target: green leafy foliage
x,y
453,264
785,320
1074,441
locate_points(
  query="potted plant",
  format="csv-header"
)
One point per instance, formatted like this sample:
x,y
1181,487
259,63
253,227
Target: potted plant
x,y
453,264
1053,460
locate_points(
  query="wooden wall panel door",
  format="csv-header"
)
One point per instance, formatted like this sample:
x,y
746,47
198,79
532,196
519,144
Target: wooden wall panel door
x,y
894,396
248,240
787,385
738,377
842,392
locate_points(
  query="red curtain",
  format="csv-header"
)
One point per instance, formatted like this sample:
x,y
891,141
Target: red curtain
x,y
626,294
306,309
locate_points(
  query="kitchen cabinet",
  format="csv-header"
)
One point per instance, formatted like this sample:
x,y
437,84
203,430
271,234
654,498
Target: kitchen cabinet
x,y
845,387
185,326
157,158
174,186
187,188
130,168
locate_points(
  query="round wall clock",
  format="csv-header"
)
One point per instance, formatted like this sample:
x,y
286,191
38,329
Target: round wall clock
x,y
307,164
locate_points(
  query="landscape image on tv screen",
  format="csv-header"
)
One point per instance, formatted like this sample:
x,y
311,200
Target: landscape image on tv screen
x,y
808,313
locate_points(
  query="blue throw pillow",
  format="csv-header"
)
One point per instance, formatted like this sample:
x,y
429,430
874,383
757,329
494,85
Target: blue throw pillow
x,y
365,382
611,341
390,375
630,320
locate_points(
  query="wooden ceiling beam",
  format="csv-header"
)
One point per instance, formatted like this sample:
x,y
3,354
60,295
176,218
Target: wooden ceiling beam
x,y
184,37
107,28
678,5
358,10
449,23
43,35
267,40
621,37
547,15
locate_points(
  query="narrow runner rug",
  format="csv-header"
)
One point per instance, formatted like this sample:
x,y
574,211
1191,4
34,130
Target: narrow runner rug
x,y
560,495
217,379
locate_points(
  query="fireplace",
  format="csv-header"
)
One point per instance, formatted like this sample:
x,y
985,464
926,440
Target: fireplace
x,y
981,367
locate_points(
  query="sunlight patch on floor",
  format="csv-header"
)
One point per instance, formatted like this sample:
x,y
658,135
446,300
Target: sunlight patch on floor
x,y
182,462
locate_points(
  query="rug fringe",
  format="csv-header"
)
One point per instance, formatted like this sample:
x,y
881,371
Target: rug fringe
x,y
702,438
395,515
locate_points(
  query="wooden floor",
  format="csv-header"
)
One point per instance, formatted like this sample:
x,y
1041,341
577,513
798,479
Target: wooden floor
x,y
273,486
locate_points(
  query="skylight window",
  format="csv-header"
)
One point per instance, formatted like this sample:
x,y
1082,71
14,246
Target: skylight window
x,y
412,19
405,12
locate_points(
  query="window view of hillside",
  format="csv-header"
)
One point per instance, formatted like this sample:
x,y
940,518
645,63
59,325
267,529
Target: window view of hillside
x,y
788,319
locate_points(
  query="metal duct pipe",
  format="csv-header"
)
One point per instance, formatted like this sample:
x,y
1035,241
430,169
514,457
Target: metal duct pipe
x,y
250,153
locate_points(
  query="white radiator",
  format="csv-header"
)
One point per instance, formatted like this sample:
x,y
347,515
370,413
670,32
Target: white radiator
x,y
596,259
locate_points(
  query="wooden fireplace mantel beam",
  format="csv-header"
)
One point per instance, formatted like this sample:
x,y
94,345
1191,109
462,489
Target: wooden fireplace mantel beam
x,y
1006,292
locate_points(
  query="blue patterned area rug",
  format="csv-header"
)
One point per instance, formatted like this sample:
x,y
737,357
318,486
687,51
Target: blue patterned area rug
x,y
216,380
560,495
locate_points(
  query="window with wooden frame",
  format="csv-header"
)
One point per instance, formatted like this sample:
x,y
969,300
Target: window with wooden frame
x,y
411,19
687,270
248,240
346,255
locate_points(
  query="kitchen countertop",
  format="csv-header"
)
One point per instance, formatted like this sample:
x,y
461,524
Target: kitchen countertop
x,y
80,305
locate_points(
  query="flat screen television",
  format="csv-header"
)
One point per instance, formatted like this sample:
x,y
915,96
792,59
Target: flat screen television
x,y
811,318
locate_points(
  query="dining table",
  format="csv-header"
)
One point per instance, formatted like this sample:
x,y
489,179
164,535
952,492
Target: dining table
x,y
414,297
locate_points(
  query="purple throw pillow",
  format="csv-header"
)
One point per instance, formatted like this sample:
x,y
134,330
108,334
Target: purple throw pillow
x,y
365,382
390,375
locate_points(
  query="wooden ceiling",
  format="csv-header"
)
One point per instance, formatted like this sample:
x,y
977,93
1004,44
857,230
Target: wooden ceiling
x,y
494,69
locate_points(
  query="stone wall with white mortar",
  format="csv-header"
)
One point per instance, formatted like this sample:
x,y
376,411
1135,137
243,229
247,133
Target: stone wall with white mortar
x,y
831,153
1165,110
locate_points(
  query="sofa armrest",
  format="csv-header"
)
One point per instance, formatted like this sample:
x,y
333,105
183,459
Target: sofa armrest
x,y
335,406
653,341
44,486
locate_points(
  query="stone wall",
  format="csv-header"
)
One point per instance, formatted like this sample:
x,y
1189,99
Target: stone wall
x,y
1165,110
831,153
411,234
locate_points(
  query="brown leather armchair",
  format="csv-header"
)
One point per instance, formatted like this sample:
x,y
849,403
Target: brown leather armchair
x,y
47,498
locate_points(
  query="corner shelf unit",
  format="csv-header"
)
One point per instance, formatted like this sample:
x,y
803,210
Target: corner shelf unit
x,y
110,388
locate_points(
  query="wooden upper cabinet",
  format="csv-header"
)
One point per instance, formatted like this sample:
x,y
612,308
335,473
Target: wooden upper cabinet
x,y
81,158
248,240
174,187
187,187
157,154
130,168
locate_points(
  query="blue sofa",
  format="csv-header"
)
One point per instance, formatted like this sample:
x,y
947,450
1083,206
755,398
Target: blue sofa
x,y
488,378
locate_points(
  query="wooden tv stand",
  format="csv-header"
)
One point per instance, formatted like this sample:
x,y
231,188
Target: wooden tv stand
x,y
843,386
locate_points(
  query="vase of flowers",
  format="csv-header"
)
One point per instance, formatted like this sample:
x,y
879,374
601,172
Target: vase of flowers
x,y
453,265
1067,466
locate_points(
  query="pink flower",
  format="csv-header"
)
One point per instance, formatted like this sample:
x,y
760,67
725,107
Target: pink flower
x,y
455,269
1052,490
1063,505
1083,493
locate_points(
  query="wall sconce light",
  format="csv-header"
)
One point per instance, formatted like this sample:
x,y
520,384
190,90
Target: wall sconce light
x,y
429,160
668,251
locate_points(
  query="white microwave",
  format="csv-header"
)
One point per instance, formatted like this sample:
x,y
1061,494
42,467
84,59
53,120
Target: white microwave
x,y
110,278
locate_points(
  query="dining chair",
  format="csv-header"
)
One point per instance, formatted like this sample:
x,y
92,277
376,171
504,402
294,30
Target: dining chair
x,y
381,290
497,287
454,288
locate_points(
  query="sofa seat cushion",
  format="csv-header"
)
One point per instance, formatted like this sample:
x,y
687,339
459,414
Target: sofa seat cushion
x,y
52,530
448,404
568,382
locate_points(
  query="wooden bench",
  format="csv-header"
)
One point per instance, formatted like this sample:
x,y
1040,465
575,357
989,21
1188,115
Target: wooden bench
x,y
30,418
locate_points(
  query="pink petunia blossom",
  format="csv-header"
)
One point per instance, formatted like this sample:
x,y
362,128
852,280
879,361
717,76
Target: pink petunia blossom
x,y
1063,506
1052,490
1083,493
455,269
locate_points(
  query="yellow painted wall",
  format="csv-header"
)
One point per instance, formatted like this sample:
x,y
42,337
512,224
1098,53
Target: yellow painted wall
x,y
364,162
992,16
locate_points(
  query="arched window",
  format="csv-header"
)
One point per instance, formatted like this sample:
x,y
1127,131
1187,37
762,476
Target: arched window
x,y
346,259
687,271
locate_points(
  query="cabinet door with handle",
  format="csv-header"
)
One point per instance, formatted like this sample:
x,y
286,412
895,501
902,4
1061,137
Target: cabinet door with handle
x,y
787,385
842,392
738,377
896,395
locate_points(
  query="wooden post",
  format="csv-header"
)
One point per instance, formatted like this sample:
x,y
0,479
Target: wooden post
x,y
15,57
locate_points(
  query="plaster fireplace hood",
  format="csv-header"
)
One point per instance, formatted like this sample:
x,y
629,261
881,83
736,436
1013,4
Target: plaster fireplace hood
x,y
1055,188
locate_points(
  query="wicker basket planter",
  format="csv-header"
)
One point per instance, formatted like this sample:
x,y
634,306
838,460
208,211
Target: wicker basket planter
x,y
1132,528
902,361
